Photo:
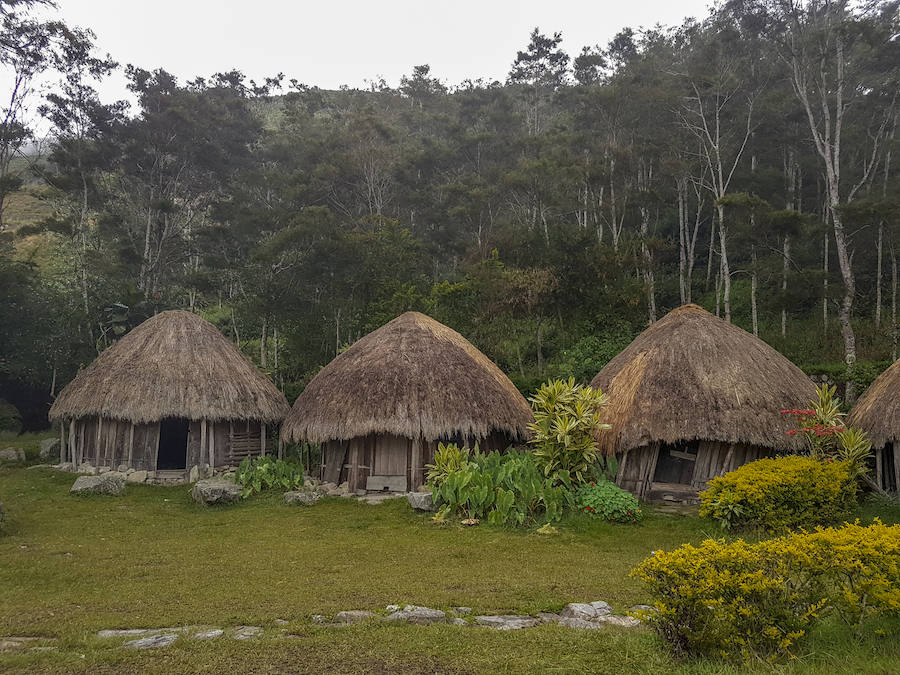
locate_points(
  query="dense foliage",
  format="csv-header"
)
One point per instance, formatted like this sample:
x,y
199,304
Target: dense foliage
x,y
781,492
268,473
566,417
503,488
547,218
608,501
742,600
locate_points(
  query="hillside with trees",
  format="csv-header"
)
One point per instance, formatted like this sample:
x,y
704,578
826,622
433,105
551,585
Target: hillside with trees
x,y
745,161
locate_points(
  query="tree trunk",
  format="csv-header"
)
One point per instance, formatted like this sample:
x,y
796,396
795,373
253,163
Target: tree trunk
x,y
894,327
847,334
786,254
753,286
825,284
726,272
879,255
263,345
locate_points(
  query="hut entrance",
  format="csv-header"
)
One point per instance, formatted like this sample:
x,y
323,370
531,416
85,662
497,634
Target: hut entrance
x,y
173,436
675,463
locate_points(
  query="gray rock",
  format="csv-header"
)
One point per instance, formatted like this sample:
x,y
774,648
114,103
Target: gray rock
x,y
319,618
246,632
459,622
107,484
549,617
463,610
418,615
393,608
601,607
65,466
353,616
13,455
152,642
122,632
617,620
335,492
122,468
216,491
301,497
194,474
642,608
421,501
507,621
87,468
211,634
588,611
136,477
571,622
103,469
282,622
49,448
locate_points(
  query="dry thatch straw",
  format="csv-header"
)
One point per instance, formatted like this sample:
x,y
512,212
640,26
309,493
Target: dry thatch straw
x,y
413,377
174,364
878,410
692,376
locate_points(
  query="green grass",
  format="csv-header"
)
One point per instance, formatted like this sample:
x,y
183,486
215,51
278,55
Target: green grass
x,y
30,442
71,566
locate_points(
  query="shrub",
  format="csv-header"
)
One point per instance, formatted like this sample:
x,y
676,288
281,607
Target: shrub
x,y
447,459
566,417
508,489
758,600
10,419
268,473
608,501
781,492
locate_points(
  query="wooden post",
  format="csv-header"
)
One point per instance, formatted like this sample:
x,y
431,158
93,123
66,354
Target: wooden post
x,y
262,439
353,473
131,445
879,471
416,465
620,474
894,448
202,440
99,436
81,444
62,441
212,446
71,452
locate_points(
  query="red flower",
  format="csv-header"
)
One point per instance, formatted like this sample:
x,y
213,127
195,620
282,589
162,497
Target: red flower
x,y
791,432
592,484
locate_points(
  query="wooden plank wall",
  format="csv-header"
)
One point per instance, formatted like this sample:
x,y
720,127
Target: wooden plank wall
x,y
113,443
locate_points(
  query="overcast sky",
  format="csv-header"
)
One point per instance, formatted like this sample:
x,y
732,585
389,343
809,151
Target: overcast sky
x,y
331,42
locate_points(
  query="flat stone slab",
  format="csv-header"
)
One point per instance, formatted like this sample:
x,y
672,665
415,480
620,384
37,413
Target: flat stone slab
x,y
152,642
211,634
617,620
353,616
507,621
125,632
246,632
422,616
587,611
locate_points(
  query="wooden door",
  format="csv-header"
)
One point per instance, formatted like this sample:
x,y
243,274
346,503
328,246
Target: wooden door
x,y
390,456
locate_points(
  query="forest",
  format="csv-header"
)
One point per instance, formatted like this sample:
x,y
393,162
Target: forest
x,y
744,161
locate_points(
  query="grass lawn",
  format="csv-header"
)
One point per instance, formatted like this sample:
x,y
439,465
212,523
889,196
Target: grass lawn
x,y
71,566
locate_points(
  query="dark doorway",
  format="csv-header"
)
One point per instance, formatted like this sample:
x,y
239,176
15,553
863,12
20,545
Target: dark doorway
x,y
675,463
173,433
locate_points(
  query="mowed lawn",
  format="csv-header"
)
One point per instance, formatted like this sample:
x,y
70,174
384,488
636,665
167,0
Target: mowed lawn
x,y
70,566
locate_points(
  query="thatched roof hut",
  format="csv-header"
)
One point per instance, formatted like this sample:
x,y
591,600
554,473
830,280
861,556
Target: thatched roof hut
x,y
172,393
878,414
694,396
381,406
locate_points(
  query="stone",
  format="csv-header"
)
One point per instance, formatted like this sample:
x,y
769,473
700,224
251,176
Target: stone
x,y
194,474
122,632
457,621
49,448
210,634
393,608
353,616
107,484
587,611
152,642
507,621
549,617
215,491
572,622
136,477
462,610
122,468
642,608
87,467
103,469
282,622
319,618
617,620
421,501
246,632
65,466
335,492
601,607
422,616
13,454
301,498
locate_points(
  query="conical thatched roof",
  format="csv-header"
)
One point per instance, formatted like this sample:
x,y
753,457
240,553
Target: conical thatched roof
x,y
175,364
412,377
691,376
878,410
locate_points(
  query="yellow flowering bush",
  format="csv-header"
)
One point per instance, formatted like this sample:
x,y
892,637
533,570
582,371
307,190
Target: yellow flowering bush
x,y
757,601
781,492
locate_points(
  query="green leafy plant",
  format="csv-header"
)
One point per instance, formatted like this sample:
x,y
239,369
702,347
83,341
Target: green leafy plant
x,y
781,492
447,459
567,415
757,601
268,473
608,501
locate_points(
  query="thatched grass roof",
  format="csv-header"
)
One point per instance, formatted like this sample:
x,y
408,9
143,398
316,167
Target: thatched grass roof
x,y
412,377
878,410
692,376
174,364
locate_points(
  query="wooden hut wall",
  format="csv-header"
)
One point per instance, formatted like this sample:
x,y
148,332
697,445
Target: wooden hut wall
x,y
887,467
111,448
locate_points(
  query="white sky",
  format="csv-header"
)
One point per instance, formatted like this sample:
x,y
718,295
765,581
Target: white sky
x,y
330,43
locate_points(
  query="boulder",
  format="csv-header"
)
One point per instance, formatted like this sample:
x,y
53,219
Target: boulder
x,y
13,455
588,611
194,474
49,448
421,501
301,497
152,642
136,477
65,466
246,632
418,615
107,484
617,620
507,621
103,469
216,491
87,468
211,634
353,616
122,468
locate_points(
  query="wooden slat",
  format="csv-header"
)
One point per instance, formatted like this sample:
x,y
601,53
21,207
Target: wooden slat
x,y
202,441
62,441
212,446
99,436
131,445
262,440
